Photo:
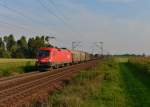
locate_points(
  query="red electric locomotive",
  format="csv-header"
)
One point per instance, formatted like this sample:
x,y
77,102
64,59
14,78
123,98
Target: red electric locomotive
x,y
53,58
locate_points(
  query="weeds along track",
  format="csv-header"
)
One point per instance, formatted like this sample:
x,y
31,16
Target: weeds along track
x,y
21,90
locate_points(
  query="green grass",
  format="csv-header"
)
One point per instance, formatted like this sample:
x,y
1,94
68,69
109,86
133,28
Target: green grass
x,y
15,66
136,85
5,60
124,85
87,89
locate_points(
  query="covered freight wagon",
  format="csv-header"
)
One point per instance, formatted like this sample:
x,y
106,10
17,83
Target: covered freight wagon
x,y
75,56
87,56
82,56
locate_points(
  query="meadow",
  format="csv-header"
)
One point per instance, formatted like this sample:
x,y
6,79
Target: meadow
x,y
114,82
10,67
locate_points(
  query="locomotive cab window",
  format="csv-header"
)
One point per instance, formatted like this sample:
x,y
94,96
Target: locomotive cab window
x,y
43,53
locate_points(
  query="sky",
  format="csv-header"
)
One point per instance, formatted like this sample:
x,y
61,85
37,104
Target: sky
x,y
122,25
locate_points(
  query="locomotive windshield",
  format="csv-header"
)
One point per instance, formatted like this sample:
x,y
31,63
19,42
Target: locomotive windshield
x,y
43,53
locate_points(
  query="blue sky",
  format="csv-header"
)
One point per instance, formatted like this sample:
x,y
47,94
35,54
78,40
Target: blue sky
x,y
123,25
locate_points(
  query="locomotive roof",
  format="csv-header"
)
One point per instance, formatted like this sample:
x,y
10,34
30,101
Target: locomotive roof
x,y
48,48
54,48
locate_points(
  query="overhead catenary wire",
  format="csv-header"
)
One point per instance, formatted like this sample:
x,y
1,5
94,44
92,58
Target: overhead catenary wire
x,y
20,14
51,12
58,17
16,11
7,28
56,7
31,19
17,26
26,17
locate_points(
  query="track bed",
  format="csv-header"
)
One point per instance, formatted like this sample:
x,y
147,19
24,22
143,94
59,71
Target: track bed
x,y
22,90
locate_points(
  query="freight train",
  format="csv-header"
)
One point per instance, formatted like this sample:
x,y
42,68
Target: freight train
x,y
50,58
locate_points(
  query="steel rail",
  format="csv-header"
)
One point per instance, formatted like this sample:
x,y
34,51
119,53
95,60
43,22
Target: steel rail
x,y
20,90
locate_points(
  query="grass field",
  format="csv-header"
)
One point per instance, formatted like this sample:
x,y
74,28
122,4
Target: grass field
x,y
15,66
125,84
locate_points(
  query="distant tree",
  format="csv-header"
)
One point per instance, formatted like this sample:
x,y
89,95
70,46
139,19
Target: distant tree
x,y
22,42
11,45
2,45
3,52
13,51
10,42
22,48
34,44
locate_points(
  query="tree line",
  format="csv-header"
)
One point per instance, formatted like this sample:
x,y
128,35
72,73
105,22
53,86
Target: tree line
x,y
21,48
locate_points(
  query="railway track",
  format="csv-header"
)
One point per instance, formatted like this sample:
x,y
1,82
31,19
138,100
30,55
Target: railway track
x,y
21,90
16,76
